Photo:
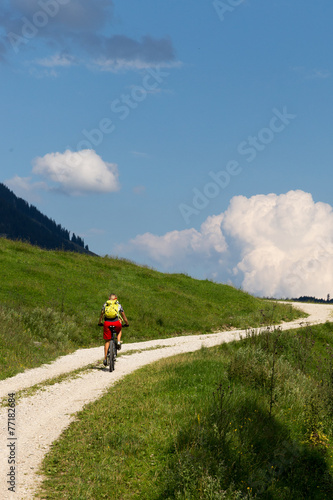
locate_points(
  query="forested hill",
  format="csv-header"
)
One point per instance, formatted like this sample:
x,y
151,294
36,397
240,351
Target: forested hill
x,y
21,221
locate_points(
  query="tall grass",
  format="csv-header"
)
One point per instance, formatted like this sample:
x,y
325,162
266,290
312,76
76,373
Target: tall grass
x,y
31,337
217,423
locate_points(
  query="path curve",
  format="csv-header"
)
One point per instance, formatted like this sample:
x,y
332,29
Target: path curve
x,y
42,417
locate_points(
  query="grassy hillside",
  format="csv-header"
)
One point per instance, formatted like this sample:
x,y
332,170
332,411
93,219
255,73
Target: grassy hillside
x,y
250,419
50,303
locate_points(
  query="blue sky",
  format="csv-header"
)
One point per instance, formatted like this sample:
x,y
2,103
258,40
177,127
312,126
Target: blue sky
x,y
130,112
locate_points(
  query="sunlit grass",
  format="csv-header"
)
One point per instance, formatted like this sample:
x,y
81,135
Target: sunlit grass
x,y
197,426
55,297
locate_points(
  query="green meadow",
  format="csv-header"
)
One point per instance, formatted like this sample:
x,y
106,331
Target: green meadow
x,y
50,303
249,419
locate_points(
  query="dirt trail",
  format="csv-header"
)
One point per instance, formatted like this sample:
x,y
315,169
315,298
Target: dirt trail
x,y
41,417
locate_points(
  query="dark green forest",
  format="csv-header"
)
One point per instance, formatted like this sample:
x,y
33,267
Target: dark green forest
x,y
21,221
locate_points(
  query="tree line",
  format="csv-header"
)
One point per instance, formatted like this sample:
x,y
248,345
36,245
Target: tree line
x,y
307,298
20,220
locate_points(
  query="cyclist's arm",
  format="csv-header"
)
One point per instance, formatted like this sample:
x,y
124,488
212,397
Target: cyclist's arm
x,y
123,315
101,316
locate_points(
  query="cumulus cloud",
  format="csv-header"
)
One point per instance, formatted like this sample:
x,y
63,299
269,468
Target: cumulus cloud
x,y
274,245
179,249
77,173
286,243
78,27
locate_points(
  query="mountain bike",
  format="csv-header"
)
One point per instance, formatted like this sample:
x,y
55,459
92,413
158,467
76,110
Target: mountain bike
x,y
112,351
113,348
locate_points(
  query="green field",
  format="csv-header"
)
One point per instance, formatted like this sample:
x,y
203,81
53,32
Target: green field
x,y
50,303
250,419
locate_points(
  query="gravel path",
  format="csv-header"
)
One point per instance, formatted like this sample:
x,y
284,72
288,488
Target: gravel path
x,y
41,417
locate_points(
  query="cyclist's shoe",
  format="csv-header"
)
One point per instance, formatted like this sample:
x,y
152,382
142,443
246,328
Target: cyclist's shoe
x,y
105,362
118,346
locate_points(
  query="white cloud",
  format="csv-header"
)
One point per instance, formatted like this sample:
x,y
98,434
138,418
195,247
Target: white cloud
x,y
115,65
78,172
286,243
177,249
276,245
56,60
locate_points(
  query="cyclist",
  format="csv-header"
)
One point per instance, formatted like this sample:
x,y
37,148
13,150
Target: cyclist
x,y
116,322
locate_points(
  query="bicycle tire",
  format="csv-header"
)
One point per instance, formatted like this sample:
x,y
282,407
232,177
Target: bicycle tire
x,y
111,365
108,357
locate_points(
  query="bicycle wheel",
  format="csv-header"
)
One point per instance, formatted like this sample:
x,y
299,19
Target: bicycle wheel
x,y
111,365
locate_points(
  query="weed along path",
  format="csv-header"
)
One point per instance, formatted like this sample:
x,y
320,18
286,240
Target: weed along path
x,y
44,411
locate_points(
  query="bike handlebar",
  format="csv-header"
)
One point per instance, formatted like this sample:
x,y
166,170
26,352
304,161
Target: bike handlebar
x,y
111,326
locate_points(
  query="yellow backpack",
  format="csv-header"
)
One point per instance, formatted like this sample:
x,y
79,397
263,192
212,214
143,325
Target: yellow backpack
x,y
111,311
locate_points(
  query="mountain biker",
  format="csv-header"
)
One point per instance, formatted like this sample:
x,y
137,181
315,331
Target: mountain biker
x,y
116,322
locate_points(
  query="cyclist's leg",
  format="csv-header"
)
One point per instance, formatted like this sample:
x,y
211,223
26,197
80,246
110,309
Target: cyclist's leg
x,y
106,348
107,338
119,336
119,332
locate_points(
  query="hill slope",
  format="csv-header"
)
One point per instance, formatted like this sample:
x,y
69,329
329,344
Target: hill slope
x,y
50,303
